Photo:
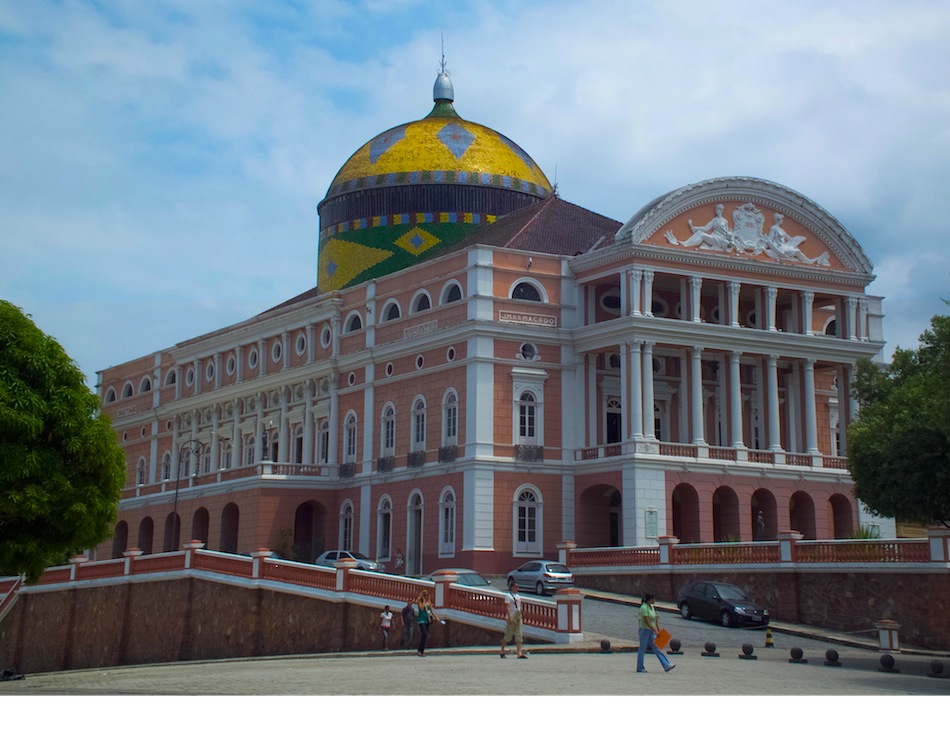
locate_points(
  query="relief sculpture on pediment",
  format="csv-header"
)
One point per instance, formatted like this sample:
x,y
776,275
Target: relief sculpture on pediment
x,y
746,236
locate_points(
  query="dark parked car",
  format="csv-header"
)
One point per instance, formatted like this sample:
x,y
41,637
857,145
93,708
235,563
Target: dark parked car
x,y
541,576
720,601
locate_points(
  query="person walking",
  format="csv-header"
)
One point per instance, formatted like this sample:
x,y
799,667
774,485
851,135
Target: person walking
x,y
513,627
409,622
426,616
649,628
385,623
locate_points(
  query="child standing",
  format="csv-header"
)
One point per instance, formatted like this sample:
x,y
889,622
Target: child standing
x,y
385,623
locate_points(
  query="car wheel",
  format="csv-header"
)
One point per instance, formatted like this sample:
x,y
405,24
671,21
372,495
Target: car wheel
x,y
685,612
511,582
726,618
539,588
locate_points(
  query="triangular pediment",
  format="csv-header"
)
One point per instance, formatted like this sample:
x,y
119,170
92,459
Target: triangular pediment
x,y
750,220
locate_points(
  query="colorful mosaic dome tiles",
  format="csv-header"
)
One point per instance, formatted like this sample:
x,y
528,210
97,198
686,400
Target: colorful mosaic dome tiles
x,y
416,189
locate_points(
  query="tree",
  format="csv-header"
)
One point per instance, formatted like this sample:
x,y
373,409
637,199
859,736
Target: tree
x,y
899,446
61,468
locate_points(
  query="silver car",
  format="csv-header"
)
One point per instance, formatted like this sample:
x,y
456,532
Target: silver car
x,y
541,576
330,558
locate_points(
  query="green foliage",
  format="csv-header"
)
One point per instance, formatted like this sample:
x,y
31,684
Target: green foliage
x,y
899,447
61,469
864,533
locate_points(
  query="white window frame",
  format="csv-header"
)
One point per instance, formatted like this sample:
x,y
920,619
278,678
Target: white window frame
x,y
350,437
387,431
347,519
447,522
384,529
527,522
528,381
450,418
418,431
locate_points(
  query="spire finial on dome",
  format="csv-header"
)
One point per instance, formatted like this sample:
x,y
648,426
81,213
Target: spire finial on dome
x,y
442,91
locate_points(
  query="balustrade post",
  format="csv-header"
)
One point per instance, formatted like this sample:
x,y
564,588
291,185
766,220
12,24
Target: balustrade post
x,y
257,568
939,540
887,635
564,549
130,556
786,545
569,615
343,568
190,548
74,563
667,555
442,591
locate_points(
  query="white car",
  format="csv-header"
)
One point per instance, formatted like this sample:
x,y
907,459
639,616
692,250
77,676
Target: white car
x,y
542,576
330,558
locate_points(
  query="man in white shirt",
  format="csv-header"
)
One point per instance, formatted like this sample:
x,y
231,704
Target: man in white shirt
x,y
513,627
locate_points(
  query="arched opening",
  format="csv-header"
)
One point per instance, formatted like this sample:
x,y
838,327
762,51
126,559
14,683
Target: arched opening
x,y
199,526
120,539
309,532
172,540
766,527
146,532
842,515
685,509
726,515
230,518
801,511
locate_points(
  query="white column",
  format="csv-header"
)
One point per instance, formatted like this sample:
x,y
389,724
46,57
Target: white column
x,y
591,368
649,426
771,293
215,462
333,455
852,307
808,303
308,417
636,391
237,445
283,436
811,429
775,439
735,400
734,304
696,396
648,293
635,276
863,319
695,294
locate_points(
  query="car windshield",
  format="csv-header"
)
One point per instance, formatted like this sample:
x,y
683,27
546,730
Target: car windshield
x,y
357,555
472,580
558,569
731,592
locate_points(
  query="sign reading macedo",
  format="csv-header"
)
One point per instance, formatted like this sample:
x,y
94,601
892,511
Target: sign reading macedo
x,y
521,318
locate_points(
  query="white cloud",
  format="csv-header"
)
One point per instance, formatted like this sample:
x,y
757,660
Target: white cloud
x,y
164,160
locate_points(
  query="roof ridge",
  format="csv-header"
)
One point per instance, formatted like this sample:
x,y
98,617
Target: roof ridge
x,y
530,221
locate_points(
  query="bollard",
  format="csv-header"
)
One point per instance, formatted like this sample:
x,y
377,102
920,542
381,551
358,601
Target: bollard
x,y
887,664
769,644
831,659
747,652
605,646
797,656
675,645
710,650
936,670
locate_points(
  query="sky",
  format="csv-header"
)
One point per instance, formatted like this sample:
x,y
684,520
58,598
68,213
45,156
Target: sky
x,y
161,162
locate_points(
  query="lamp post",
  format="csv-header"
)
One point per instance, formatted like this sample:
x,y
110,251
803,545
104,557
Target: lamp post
x,y
173,538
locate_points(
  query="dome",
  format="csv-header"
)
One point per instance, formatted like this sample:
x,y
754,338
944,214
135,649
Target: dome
x,y
418,188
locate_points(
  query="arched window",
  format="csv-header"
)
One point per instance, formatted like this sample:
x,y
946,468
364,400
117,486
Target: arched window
x,y
224,455
447,524
452,293
145,385
110,395
354,322
248,450
527,523
421,303
140,473
349,439
527,418
171,377
419,425
526,292
388,436
167,466
346,526
296,444
450,419
127,390
391,312
384,528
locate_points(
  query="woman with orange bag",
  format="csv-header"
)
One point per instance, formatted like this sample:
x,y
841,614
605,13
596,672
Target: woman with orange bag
x,y
649,628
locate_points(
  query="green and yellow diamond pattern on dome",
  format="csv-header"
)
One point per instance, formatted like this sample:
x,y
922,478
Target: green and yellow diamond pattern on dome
x,y
444,146
365,254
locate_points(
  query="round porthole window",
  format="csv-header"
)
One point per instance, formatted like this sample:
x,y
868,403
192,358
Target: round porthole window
x,y
252,358
209,371
325,337
389,369
231,366
450,354
528,351
276,351
190,377
420,361
300,344
352,378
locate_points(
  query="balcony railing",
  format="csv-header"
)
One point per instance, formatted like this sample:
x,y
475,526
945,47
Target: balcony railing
x,y
415,458
529,454
447,454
